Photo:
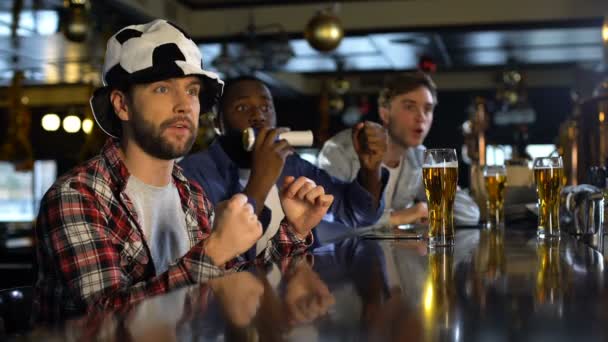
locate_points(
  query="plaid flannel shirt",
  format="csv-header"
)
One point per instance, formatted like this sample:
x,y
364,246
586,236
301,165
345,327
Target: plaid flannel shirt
x,y
91,250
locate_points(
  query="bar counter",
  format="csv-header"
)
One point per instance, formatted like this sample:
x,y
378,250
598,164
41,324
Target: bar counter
x,y
500,285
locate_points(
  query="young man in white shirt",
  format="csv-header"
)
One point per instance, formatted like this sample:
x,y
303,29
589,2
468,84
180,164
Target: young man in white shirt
x,y
406,105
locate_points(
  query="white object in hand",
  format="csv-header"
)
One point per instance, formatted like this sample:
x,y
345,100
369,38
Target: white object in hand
x,y
294,138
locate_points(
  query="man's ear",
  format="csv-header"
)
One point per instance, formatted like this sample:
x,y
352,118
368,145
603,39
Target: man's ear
x,y
120,104
384,113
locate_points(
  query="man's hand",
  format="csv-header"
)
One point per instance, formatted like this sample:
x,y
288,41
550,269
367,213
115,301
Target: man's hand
x,y
304,204
239,295
306,296
236,228
418,213
267,161
370,142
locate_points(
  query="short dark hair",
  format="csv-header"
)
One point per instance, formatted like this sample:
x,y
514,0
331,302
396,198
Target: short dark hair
x,y
404,83
231,83
126,89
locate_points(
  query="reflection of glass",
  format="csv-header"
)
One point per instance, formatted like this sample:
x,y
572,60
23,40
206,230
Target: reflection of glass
x,y
440,173
489,258
549,290
488,265
548,174
439,295
495,177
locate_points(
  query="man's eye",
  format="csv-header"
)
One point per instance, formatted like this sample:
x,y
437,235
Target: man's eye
x,y
161,89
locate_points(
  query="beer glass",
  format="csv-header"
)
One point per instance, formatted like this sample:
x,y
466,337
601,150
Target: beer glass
x,y
495,177
440,174
548,173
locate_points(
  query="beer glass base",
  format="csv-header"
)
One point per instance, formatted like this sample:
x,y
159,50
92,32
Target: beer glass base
x,y
494,225
543,234
441,241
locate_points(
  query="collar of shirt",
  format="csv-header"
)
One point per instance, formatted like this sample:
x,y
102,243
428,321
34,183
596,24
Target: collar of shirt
x,y
119,172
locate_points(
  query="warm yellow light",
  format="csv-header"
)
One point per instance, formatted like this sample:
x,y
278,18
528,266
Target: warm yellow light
x,y
50,122
71,124
605,31
602,116
334,33
87,125
427,298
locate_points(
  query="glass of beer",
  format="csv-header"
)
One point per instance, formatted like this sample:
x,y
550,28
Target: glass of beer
x,y
495,177
548,173
440,174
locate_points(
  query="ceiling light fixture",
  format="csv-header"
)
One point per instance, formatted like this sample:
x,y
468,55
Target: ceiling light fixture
x,y
75,20
270,51
324,31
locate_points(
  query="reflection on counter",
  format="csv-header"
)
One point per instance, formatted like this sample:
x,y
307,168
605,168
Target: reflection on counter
x,y
489,257
439,297
550,287
494,285
489,264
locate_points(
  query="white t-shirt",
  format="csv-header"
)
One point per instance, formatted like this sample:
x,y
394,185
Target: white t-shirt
x,y
391,184
162,220
274,204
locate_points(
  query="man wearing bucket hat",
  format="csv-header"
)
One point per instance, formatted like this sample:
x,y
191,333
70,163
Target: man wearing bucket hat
x,y
127,224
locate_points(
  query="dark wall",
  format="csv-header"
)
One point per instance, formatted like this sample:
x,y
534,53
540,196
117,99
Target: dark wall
x,y
298,112
553,106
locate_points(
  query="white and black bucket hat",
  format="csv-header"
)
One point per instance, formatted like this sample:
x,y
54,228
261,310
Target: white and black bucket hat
x,y
148,53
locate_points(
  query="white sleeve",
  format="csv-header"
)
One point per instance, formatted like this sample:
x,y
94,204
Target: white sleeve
x,y
336,160
466,211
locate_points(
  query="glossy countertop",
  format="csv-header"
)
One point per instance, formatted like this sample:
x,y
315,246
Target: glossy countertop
x,y
493,285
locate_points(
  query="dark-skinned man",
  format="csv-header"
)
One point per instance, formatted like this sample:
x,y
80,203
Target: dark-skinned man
x,y
225,168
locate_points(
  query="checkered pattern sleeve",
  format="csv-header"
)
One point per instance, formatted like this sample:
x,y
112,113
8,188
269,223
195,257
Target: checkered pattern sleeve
x,y
89,258
285,243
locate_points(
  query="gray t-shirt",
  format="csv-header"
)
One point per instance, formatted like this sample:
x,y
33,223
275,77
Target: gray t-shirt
x,y
162,220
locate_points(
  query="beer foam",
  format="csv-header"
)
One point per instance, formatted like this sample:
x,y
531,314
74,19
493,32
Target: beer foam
x,y
443,165
547,167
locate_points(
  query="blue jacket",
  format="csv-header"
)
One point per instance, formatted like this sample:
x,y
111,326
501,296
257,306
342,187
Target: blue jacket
x,y
218,175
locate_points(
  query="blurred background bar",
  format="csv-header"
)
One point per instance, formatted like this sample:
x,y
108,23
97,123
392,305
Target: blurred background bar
x,y
517,80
